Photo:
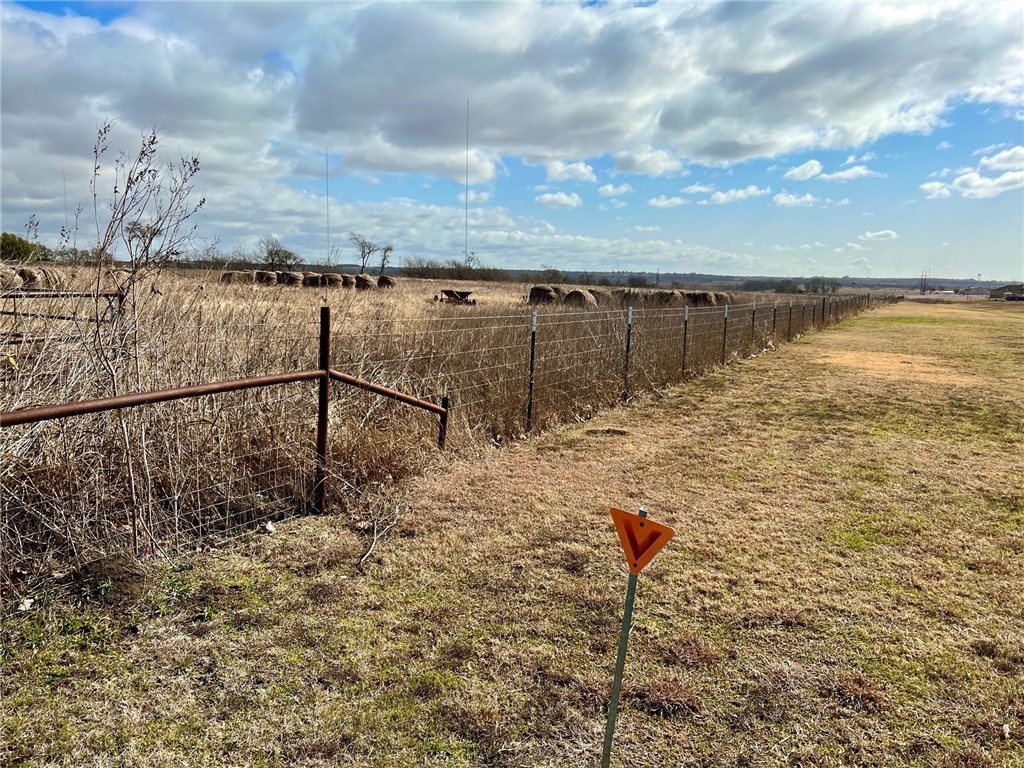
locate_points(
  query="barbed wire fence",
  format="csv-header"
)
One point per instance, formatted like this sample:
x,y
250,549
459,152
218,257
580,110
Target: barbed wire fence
x,y
171,476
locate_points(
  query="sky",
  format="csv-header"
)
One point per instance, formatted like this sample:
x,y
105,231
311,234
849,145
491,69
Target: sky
x,y
862,139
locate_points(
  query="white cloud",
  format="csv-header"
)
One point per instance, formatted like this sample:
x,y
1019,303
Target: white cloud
x,y
666,202
1007,160
609,190
698,189
786,200
649,161
935,190
475,197
883,234
808,170
850,247
640,228
613,203
856,172
844,201
943,145
990,148
559,200
261,88
560,171
850,160
970,183
733,195
974,185
867,157
940,174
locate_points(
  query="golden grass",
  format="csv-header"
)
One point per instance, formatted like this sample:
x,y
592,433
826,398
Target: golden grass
x,y
843,589
170,477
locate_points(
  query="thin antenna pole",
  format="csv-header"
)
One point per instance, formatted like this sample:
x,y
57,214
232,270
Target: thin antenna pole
x,y
467,180
327,196
65,179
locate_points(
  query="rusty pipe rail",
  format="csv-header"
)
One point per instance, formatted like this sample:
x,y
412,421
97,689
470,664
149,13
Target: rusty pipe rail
x,y
377,389
64,410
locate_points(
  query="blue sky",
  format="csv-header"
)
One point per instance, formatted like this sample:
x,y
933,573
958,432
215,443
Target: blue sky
x,y
797,139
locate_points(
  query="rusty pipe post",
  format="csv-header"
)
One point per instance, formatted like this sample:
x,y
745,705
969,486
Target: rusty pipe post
x,y
323,403
442,431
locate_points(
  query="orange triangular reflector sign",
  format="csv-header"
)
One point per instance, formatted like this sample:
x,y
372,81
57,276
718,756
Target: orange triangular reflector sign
x,y
641,538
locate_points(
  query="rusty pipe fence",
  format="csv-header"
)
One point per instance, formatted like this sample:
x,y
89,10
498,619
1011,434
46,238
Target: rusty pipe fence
x,y
324,375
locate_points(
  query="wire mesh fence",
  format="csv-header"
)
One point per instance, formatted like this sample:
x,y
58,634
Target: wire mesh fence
x,y
162,478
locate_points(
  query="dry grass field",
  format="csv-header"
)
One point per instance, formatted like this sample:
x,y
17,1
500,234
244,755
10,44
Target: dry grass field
x,y
166,478
844,589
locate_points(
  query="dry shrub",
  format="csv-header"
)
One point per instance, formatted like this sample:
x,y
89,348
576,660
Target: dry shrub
x,y
666,696
854,689
774,691
967,757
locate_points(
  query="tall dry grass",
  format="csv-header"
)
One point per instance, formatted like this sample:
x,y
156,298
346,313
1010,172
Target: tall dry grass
x,y
170,476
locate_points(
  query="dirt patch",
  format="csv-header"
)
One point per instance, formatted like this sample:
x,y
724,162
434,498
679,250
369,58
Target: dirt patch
x,y
886,365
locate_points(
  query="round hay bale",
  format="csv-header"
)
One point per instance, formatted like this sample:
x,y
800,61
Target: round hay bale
x,y
602,297
364,283
53,278
668,298
580,298
290,278
384,281
311,279
348,281
9,278
722,298
30,278
265,277
231,276
332,280
702,299
542,294
560,291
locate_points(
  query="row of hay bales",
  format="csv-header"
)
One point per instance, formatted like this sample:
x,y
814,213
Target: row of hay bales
x,y
626,297
308,279
31,277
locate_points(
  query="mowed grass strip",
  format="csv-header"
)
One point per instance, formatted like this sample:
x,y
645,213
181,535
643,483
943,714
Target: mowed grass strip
x,y
844,589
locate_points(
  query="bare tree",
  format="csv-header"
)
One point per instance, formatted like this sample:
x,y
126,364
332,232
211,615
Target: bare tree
x,y
366,249
274,255
385,257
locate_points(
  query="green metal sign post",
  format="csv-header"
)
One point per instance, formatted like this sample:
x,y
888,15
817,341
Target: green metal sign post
x,y
641,540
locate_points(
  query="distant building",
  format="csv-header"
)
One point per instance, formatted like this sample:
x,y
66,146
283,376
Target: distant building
x,y
1013,289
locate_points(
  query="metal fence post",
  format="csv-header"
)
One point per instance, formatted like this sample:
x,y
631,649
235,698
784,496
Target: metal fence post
x,y
775,313
533,361
725,331
789,330
823,300
320,483
814,310
753,325
442,430
686,327
629,341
